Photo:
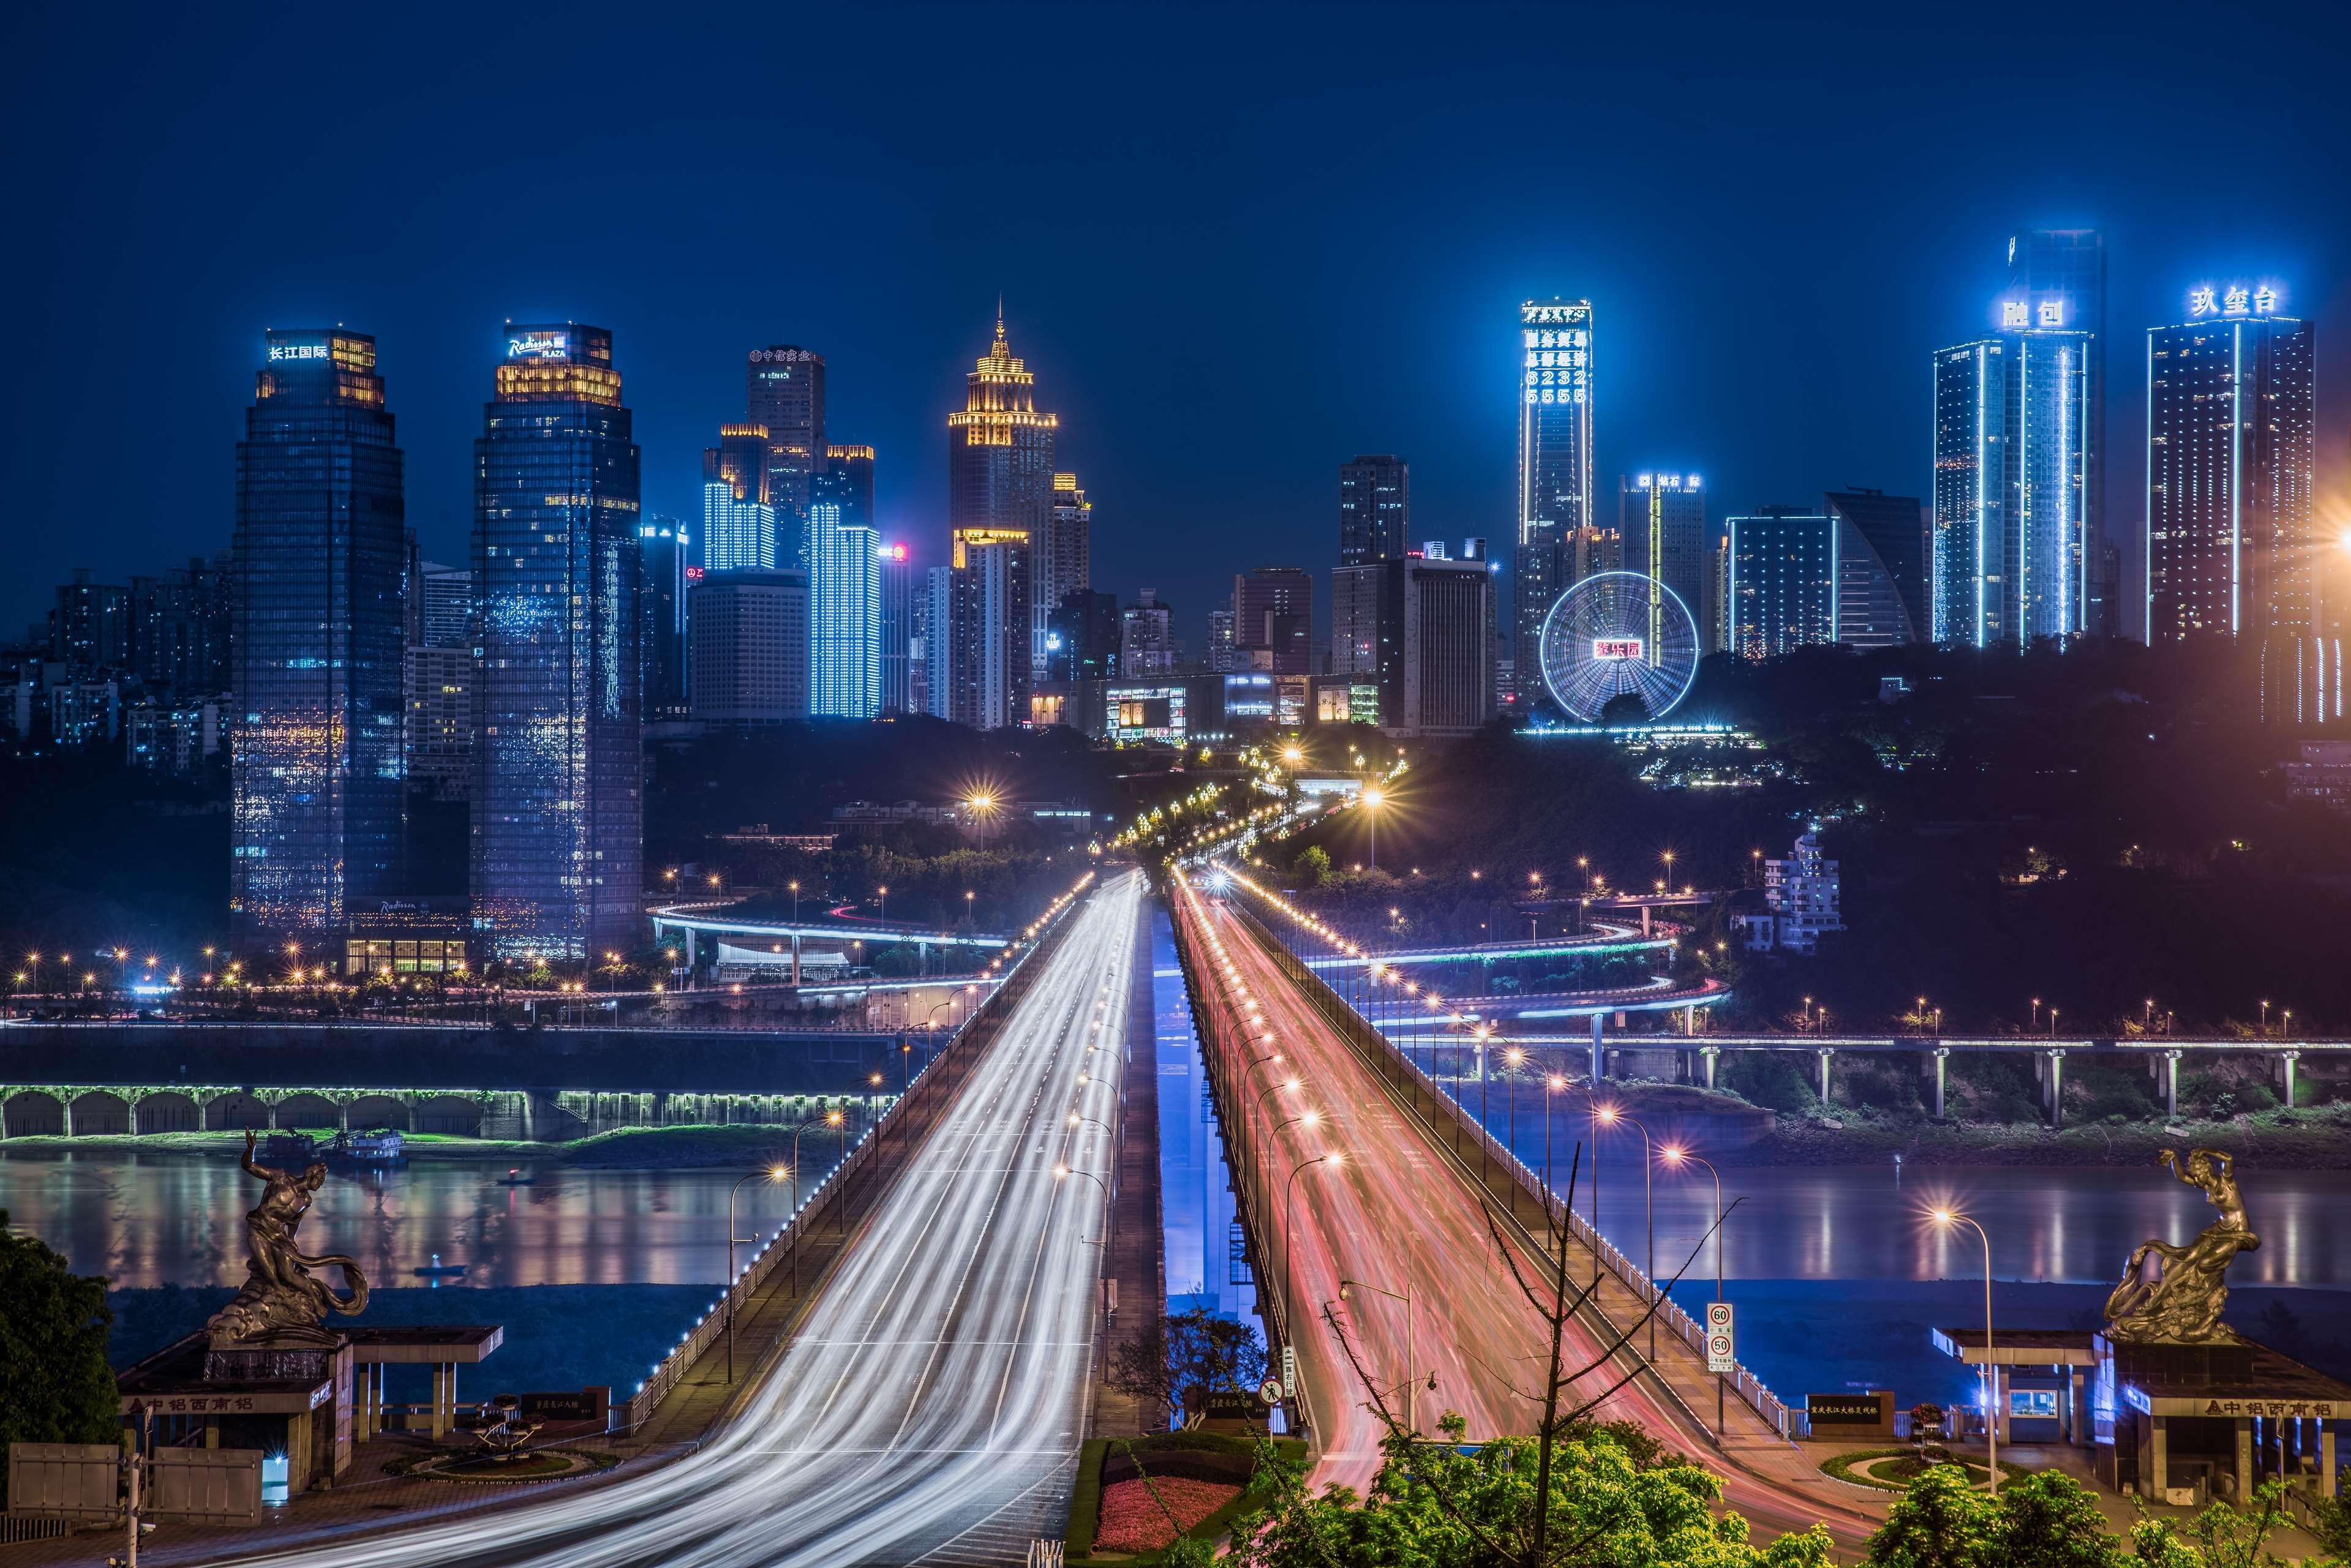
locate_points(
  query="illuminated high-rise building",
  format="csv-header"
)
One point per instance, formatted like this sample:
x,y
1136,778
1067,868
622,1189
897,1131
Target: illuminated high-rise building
x,y
2067,268
558,803
1065,563
736,534
844,613
740,459
1375,509
1557,542
932,665
1273,620
317,645
665,550
2231,401
1000,505
1882,595
1783,588
1661,520
2010,547
785,397
898,638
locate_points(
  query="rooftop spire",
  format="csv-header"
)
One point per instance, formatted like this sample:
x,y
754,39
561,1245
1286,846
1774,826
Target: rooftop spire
x,y
1002,347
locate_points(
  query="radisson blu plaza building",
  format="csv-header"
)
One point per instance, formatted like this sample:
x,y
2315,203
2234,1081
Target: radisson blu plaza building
x,y
558,802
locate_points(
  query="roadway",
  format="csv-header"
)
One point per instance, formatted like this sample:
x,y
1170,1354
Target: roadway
x,y
931,1412
1394,1214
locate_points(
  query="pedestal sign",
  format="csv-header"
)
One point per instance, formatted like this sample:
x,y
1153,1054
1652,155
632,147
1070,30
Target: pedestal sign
x,y
1720,1350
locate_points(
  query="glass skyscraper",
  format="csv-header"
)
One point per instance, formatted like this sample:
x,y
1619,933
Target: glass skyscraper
x,y
317,765
1066,562
559,807
897,628
665,547
999,504
1782,590
2013,425
1661,519
784,395
1556,536
2068,267
845,614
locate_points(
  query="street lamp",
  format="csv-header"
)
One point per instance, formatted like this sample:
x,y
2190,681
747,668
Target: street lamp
x,y
1551,1086
794,888
1372,800
1411,1373
1947,1217
883,893
773,1173
1674,1155
1648,1210
1061,1171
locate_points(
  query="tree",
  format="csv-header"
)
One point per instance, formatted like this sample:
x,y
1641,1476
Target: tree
x,y
1181,1359
1624,708
55,1384
2220,1537
1312,865
2044,1520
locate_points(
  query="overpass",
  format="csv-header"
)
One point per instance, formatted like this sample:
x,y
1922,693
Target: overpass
x,y
715,938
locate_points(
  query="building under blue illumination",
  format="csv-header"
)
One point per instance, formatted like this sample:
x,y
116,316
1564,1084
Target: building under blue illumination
x,y
558,805
1782,589
317,763
845,613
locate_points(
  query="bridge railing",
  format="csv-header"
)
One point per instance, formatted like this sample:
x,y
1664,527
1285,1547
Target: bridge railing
x,y
1520,1192
882,1149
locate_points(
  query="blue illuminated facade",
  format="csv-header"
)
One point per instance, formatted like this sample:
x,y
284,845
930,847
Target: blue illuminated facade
x,y
558,827
317,588
845,613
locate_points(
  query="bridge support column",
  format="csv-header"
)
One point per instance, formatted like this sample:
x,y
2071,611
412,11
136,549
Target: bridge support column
x,y
1689,1019
2286,1060
1942,1062
1598,1057
2055,1088
1644,920
66,1099
1708,1053
2171,1086
796,958
1824,1056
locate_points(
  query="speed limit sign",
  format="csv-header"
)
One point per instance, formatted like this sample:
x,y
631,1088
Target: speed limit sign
x,y
1721,1353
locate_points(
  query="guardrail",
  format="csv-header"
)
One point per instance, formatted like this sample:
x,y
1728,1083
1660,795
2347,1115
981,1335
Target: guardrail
x,y
873,1156
1509,1182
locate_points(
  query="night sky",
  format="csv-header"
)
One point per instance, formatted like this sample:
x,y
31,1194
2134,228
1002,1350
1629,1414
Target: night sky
x,y
1236,245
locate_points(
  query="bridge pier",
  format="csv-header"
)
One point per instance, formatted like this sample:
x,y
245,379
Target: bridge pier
x,y
2171,1086
1644,920
1598,1051
1943,1061
2286,1059
1708,1053
2053,1087
1824,1054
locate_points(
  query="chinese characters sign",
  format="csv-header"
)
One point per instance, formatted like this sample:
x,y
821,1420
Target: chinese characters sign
x,y
2234,300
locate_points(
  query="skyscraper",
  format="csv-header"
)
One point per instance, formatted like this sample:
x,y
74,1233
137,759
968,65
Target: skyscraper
x,y
1887,602
1273,620
316,767
2232,396
1357,596
736,534
1084,640
749,662
558,805
785,397
740,458
666,550
447,613
1556,537
90,628
2068,267
2012,428
1375,509
845,610
897,628
935,627
1661,520
1065,564
1146,637
1000,505
1783,593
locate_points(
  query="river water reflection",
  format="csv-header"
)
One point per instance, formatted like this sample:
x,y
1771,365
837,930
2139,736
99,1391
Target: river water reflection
x,y
155,1218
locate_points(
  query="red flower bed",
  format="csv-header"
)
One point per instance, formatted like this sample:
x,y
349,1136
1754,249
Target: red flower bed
x,y
1133,1520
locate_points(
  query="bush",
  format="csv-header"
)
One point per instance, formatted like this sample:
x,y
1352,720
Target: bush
x,y
1770,1079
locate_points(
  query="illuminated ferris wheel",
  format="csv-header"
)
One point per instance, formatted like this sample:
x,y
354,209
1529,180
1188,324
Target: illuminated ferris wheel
x,y
1614,632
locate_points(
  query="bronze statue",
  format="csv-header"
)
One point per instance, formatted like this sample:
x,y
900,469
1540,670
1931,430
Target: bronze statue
x,y
281,1303
2181,1304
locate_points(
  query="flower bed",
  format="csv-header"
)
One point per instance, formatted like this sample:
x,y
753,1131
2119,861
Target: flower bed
x,y
1134,1520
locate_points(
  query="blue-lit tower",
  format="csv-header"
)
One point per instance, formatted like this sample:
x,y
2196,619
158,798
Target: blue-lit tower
x,y
317,771
558,827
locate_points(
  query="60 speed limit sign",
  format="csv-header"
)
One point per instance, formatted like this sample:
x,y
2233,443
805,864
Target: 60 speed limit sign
x,y
1721,1348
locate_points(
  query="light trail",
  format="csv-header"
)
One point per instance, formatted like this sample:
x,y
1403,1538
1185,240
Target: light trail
x,y
932,1408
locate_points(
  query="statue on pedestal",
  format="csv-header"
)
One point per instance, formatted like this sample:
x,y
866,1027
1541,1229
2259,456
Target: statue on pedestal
x,y
282,1305
2178,1300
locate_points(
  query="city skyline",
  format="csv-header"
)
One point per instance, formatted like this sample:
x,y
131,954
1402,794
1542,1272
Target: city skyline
x,y
1694,339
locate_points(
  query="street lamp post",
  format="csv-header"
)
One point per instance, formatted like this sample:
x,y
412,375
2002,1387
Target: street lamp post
x,y
1289,1214
1611,1115
831,1118
1675,1156
773,1173
1947,1217
1372,800
1411,1360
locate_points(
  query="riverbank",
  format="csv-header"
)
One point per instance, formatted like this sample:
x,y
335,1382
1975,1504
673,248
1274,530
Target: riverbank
x,y
627,1149
2316,1139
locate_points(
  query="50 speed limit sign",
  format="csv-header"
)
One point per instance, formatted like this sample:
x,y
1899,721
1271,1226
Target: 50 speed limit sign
x,y
1721,1350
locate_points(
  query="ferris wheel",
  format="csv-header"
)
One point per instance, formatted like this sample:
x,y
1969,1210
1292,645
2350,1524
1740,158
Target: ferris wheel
x,y
1614,632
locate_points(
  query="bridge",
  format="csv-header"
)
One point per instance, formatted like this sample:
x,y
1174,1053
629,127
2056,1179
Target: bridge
x,y
717,940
